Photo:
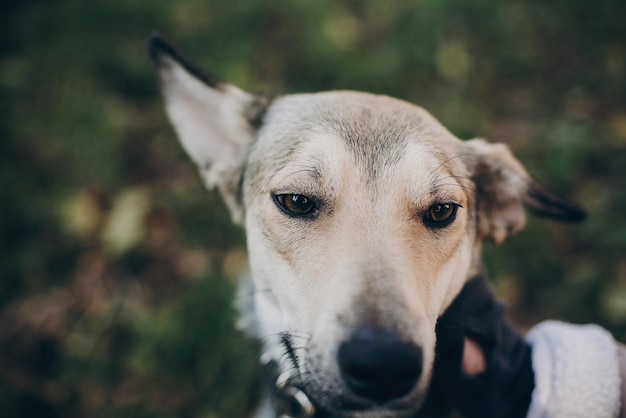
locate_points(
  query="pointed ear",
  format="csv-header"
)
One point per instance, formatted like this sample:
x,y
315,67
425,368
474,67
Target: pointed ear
x,y
504,188
215,122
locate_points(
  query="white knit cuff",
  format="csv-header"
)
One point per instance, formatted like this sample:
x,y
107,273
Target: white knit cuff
x,y
576,372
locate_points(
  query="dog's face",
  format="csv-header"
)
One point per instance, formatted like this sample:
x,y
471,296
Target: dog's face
x,y
354,229
364,218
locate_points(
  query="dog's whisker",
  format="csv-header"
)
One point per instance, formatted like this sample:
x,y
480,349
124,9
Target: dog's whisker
x,y
301,334
268,337
457,185
300,348
452,158
286,357
438,179
286,340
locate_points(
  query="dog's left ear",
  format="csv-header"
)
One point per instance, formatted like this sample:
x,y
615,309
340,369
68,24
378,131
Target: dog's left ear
x,y
504,188
216,122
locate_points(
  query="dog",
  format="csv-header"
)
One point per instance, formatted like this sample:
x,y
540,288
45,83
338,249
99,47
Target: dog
x,y
364,218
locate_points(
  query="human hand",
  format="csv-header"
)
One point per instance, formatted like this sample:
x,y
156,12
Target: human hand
x,y
483,366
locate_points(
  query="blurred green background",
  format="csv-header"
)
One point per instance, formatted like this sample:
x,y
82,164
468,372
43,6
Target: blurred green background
x,y
117,269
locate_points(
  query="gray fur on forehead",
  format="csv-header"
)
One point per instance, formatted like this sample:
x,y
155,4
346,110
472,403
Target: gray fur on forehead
x,y
375,129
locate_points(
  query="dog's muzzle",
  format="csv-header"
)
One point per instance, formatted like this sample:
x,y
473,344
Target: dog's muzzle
x,y
377,367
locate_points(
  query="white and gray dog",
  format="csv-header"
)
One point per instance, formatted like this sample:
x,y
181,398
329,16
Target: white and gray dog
x,y
364,218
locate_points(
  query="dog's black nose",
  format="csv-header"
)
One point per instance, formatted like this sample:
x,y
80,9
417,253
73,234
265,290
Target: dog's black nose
x,y
377,365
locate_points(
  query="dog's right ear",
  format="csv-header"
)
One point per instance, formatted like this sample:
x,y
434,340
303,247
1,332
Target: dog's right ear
x,y
504,188
216,122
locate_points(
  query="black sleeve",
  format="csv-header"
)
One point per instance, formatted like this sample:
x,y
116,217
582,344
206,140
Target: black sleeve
x,y
505,388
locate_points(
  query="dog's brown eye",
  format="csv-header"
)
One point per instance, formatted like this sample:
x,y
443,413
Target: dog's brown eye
x,y
440,215
295,204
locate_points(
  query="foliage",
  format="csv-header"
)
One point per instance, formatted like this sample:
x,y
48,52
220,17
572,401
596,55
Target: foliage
x,y
117,268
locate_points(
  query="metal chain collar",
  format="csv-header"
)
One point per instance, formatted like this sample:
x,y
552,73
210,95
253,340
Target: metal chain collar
x,y
289,400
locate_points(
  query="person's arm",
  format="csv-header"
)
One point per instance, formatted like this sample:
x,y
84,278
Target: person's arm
x,y
484,368
499,384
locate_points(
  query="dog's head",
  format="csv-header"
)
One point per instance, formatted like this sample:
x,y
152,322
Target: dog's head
x,y
364,218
